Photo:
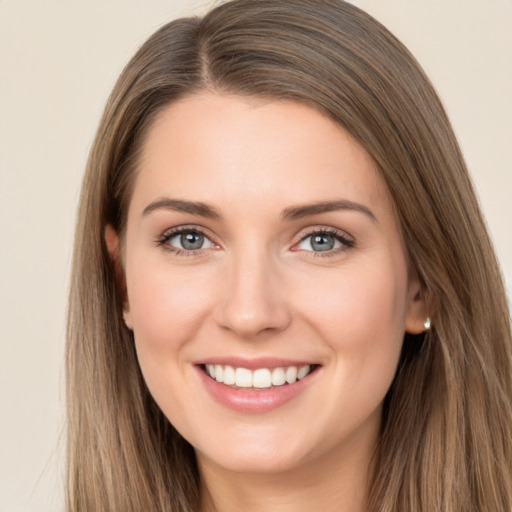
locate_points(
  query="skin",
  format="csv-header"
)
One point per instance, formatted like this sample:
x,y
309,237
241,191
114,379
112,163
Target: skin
x,y
257,288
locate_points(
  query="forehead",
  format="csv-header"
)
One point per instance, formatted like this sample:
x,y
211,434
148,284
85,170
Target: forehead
x,y
219,148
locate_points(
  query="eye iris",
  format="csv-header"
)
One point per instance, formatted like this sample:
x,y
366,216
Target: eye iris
x,y
322,242
191,241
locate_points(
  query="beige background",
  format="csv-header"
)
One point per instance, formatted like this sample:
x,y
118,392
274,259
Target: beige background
x,y
58,62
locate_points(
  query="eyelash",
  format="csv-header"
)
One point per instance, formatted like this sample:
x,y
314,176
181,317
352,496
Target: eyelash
x,y
347,243
162,241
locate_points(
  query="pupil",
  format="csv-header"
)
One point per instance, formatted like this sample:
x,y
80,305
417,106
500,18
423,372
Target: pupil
x,y
191,241
322,242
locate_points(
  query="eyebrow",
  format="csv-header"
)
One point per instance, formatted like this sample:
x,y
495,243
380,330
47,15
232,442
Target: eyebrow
x,y
181,205
301,211
290,213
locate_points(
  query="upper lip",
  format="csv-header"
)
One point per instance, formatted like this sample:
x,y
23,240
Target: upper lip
x,y
254,363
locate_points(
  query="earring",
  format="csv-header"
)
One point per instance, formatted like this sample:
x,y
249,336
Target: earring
x,y
427,324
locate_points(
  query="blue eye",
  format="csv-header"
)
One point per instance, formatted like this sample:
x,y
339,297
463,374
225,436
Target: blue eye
x,y
322,241
186,240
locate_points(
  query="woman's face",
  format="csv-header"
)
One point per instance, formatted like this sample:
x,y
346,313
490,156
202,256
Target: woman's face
x,y
261,243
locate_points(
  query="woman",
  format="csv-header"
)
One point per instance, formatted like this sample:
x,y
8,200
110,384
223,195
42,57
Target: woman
x,y
283,294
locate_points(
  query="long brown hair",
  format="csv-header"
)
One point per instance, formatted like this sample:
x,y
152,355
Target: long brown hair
x,y
446,440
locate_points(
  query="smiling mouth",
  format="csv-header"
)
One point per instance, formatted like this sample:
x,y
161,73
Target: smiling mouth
x,y
260,379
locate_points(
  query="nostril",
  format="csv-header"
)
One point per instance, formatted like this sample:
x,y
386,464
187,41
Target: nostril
x,y
249,321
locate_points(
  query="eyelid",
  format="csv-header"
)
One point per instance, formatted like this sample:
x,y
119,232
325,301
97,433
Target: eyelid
x,y
321,228
342,236
163,239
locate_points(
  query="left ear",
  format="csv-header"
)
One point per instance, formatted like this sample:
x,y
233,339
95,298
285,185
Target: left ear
x,y
417,311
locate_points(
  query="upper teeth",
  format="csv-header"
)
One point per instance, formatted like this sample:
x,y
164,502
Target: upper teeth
x,y
260,378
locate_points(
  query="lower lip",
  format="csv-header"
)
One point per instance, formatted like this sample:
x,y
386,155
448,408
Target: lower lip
x,y
254,401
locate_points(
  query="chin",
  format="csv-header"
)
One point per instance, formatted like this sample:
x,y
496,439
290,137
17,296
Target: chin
x,y
276,456
269,463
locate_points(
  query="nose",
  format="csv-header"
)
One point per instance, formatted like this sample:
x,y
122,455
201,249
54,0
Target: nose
x,y
253,300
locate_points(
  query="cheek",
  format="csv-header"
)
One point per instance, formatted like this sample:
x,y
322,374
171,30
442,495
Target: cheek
x,y
167,307
361,316
361,319
352,300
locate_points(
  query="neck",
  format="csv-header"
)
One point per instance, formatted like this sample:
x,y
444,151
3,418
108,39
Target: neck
x,y
333,482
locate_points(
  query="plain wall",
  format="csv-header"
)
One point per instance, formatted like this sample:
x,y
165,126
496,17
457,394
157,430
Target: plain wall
x,y
58,62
